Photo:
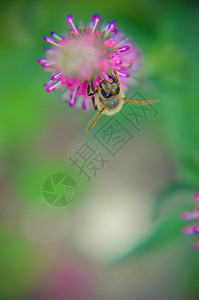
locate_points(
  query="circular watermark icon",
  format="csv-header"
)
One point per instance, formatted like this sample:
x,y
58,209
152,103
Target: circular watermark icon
x,y
59,189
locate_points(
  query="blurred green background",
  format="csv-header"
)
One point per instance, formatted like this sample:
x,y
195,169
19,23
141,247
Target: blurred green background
x,y
122,239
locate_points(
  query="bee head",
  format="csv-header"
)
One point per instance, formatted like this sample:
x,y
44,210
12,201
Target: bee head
x,y
109,89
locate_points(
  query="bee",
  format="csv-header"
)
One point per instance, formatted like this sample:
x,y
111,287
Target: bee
x,y
108,98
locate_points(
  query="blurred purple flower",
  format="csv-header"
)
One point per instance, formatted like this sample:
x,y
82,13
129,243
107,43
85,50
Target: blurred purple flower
x,y
85,55
192,216
71,280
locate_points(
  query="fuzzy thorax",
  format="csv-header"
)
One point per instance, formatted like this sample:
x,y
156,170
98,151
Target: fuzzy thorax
x,y
111,105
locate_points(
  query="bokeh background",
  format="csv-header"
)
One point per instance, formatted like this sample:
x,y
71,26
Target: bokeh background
x,y
121,239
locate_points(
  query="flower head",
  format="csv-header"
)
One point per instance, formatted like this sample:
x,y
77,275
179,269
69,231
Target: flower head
x,y
85,55
192,216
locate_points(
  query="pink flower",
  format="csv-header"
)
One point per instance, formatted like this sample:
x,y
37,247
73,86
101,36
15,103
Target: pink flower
x,y
85,55
192,216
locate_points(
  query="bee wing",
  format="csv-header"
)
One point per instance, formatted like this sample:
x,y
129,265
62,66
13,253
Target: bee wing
x,y
90,125
140,101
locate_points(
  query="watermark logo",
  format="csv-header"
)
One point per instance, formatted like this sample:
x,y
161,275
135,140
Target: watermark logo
x,y
92,155
59,189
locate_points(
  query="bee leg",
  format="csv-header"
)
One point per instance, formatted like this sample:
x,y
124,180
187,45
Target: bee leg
x,y
114,78
89,88
93,102
116,75
103,80
91,126
89,93
93,88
